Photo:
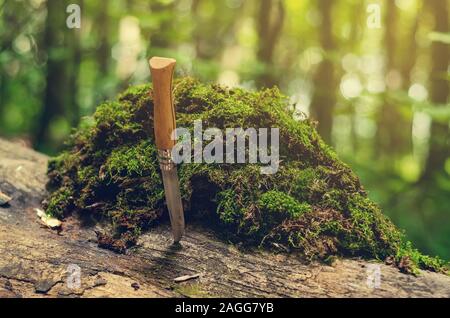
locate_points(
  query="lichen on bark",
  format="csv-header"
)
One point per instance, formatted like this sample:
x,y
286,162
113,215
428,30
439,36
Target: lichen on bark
x,y
315,204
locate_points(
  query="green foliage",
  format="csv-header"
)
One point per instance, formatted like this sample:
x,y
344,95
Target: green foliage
x,y
135,161
60,202
372,232
410,260
228,208
314,204
276,205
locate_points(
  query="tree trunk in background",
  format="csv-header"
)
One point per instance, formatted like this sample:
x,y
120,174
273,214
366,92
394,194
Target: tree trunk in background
x,y
8,18
104,48
394,133
387,115
103,53
197,33
270,24
162,38
410,56
74,38
324,98
213,34
388,134
57,79
356,35
439,91
3,91
64,55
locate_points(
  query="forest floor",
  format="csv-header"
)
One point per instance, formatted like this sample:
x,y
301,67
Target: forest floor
x,y
37,262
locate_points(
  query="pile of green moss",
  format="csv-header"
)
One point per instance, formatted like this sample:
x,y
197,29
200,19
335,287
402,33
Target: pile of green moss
x,y
315,204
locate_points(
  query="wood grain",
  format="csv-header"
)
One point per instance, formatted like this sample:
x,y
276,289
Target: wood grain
x,y
34,260
162,70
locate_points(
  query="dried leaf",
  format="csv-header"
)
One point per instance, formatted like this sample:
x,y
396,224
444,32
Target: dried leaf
x,y
40,213
52,222
4,199
48,220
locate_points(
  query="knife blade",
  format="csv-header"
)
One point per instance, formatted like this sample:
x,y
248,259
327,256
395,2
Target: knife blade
x,y
162,70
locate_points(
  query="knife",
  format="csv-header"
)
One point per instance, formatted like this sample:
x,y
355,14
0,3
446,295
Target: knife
x,y
162,70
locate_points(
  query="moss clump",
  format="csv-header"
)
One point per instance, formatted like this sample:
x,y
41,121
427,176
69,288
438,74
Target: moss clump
x,y
277,206
60,201
314,204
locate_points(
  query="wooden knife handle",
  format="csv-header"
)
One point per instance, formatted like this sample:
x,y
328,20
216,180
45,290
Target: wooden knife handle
x,y
162,70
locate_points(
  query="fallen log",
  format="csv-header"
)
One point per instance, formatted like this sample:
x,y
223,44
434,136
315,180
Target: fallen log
x,y
39,262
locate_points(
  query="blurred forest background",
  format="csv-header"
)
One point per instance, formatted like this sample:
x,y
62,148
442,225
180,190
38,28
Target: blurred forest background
x,y
379,88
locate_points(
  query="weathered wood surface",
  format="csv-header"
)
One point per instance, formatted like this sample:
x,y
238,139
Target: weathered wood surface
x,y
34,260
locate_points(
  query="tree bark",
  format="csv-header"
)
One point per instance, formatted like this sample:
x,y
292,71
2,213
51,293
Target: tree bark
x,y
57,79
161,39
76,56
197,32
35,260
103,52
324,98
440,56
394,131
10,20
270,24
103,32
